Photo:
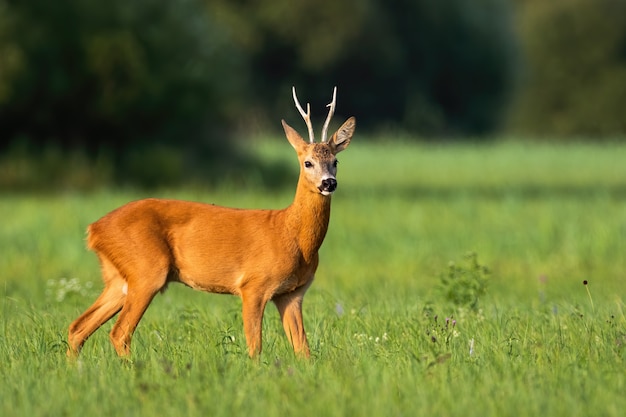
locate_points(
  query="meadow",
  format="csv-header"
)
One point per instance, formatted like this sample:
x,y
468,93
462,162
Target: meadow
x,y
456,280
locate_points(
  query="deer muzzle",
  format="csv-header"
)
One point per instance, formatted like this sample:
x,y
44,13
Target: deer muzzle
x,y
329,185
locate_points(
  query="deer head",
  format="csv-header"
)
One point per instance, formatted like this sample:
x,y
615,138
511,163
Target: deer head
x,y
318,161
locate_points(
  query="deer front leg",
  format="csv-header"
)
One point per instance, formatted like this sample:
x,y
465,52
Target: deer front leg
x,y
290,308
253,308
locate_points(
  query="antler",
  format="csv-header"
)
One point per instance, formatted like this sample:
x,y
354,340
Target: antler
x,y
330,115
306,116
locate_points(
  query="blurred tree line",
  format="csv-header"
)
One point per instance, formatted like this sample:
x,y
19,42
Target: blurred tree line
x,y
573,83
118,76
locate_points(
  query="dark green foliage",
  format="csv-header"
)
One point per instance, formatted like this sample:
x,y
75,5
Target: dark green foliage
x,y
435,68
115,78
453,64
574,83
113,74
89,74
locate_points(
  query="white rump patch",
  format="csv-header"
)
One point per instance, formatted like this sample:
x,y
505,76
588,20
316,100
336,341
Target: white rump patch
x,y
125,289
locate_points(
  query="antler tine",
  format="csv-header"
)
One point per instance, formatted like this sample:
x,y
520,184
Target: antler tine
x,y
330,115
306,116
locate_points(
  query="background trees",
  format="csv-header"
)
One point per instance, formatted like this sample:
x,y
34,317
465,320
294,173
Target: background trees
x,y
117,76
574,79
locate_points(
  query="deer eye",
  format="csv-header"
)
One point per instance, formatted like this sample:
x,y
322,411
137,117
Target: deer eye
x,y
308,164
335,163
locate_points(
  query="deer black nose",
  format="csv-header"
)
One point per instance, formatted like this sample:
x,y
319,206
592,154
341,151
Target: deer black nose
x,y
329,185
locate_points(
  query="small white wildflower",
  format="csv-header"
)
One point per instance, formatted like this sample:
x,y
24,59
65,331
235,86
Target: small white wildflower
x,y
361,337
61,288
471,347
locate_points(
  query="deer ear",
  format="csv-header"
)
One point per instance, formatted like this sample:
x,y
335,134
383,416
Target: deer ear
x,y
293,137
343,135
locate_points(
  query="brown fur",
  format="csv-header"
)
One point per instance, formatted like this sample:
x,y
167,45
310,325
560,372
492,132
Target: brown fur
x,y
259,255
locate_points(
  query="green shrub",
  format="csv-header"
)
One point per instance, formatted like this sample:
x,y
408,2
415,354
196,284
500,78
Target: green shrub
x,y
464,284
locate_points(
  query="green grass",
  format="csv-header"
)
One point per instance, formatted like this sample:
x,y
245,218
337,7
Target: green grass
x,y
542,218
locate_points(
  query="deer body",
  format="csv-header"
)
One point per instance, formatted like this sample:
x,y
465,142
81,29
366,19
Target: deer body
x,y
258,255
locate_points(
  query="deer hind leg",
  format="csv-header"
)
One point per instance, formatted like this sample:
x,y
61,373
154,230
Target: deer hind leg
x,y
290,308
105,307
142,287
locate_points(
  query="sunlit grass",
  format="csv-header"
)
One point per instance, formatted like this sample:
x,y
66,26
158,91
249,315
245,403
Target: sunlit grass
x,y
539,342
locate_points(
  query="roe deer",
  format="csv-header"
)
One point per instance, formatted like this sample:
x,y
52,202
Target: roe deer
x,y
259,255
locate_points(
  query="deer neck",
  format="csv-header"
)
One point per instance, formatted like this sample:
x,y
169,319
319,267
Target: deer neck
x,y
307,218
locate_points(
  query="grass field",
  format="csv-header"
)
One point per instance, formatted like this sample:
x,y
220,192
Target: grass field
x,y
395,329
